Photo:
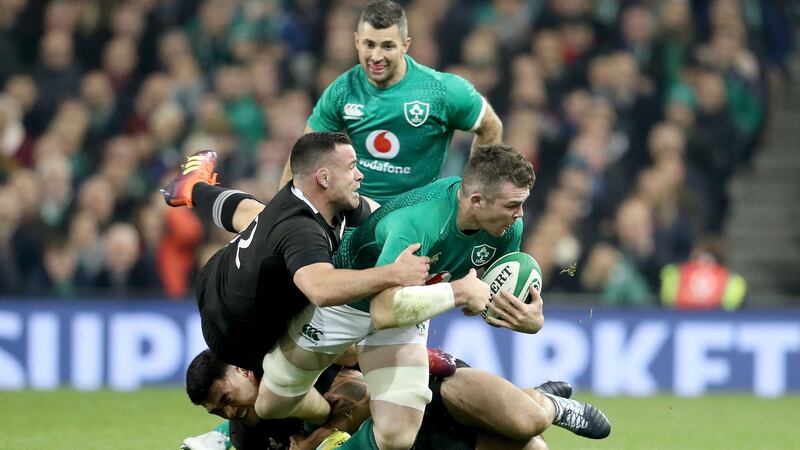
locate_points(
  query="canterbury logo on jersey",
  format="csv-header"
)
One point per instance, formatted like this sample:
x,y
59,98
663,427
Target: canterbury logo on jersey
x,y
244,243
311,333
352,111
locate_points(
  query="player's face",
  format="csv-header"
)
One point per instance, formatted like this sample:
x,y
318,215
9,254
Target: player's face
x,y
380,52
498,215
234,396
345,178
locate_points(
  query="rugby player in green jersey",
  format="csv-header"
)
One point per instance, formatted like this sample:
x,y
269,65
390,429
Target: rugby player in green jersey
x,y
401,115
461,225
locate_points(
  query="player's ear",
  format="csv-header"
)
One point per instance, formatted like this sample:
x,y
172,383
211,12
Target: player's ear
x,y
323,177
475,199
406,44
355,39
249,374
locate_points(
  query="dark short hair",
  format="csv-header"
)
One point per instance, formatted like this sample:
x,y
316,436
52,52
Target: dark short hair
x,y
204,370
492,165
383,14
312,148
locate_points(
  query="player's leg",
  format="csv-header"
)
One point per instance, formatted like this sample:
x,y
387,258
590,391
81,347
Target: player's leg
x,y
483,400
500,407
488,441
287,386
397,375
195,186
313,339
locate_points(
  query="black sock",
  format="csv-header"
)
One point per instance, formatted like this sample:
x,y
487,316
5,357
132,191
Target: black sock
x,y
217,204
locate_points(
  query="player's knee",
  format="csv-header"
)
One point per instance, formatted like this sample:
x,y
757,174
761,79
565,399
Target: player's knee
x,y
402,386
282,381
525,426
395,435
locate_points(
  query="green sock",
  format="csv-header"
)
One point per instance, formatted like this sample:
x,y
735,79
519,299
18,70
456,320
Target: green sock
x,y
225,429
363,439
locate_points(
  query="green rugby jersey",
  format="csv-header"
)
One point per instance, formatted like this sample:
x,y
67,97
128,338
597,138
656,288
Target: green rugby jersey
x,y
401,133
426,215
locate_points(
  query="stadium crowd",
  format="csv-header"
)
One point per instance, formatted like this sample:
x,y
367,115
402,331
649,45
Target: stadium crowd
x,y
635,114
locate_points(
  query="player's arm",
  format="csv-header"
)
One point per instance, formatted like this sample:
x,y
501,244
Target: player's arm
x,y
350,399
306,251
490,129
405,306
468,110
325,285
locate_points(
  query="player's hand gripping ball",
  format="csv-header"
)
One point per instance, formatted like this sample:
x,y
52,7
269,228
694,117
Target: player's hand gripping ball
x,y
513,273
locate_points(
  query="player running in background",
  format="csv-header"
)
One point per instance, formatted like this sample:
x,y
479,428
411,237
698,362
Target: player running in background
x,y
463,414
250,289
461,226
400,114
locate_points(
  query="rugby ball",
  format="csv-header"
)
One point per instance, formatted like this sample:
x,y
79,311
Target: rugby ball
x,y
513,273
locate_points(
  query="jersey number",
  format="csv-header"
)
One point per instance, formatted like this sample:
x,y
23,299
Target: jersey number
x,y
244,243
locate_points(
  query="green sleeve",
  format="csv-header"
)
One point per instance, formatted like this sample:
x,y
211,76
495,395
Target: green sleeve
x,y
395,235
326,115
465,105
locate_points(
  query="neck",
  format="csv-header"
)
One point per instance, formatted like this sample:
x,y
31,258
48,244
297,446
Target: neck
x,y
465,218
316,197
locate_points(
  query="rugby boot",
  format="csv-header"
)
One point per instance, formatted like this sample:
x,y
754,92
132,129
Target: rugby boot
x,y
558,388
213,440
198,168
581,418
335,440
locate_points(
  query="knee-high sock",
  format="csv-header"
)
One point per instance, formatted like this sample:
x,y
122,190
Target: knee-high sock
x,y
217,204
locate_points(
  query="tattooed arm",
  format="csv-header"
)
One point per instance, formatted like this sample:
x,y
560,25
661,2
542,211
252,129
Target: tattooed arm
x,y
350,401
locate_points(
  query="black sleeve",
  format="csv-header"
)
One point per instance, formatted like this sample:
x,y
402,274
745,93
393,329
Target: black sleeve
x,y
303,242
356,216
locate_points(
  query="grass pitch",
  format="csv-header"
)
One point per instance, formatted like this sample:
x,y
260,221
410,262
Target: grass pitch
x,y
160,418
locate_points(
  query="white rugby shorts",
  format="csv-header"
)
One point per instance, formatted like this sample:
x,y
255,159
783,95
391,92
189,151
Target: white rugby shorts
x,y
335,328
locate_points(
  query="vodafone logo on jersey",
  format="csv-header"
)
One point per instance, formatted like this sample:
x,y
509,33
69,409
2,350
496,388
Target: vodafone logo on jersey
x,y
383,144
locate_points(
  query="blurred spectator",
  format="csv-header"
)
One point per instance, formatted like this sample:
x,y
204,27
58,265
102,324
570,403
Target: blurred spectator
x,y
125,273
57,76
703,282
635,114
61,264
608,272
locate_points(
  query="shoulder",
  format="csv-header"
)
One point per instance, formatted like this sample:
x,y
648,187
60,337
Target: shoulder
x,y
343,83
348,78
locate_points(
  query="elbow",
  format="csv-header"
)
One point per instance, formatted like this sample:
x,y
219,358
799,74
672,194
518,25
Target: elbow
x,y
382,317
380,320
317,296
320,299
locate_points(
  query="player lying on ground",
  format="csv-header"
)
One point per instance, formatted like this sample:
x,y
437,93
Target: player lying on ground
x,y
471,409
